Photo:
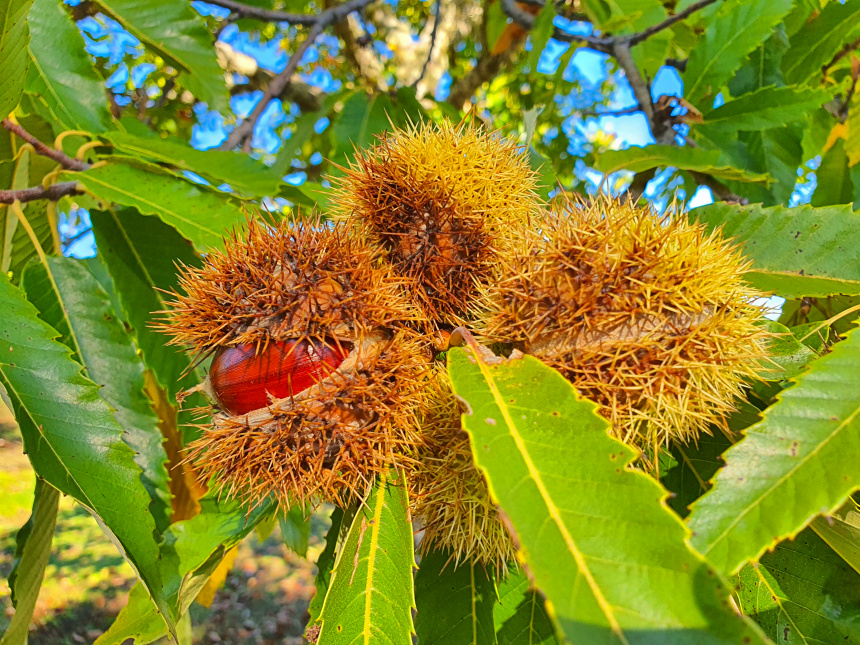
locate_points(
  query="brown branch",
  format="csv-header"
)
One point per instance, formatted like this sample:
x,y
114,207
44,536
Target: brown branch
x,y
436,21
325,18
720,190
668,22
842,53
279,84
606,43
52,193
44,150
520,16
641,89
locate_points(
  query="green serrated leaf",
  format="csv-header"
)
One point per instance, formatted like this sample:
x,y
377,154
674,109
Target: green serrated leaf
x,y
190,551
689,478
610,557
176,33
70,299
835,185
370,597
455,603
61,74
31,557
14,61
841,531
796,252
201,215
768,107
636,159
325,564
803,450
787,352
816,42
732,33
520,615
141,254
296,530
70,435
244,174
803,593
139,620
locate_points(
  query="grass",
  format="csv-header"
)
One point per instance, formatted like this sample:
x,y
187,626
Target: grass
x,y
263,601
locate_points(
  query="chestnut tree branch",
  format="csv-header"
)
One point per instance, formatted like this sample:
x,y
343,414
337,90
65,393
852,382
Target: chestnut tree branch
x,y
325,18
605,43
52,193
278,85
436,21
43,149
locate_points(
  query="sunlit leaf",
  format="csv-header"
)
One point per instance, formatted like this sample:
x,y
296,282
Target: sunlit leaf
x,y
803,593
636,159
14,61
769,107
797,462
61,72
70,434
370,596
31,557
201,215
176,33
818,40
610,557
841,531
71,300
732,33
796,252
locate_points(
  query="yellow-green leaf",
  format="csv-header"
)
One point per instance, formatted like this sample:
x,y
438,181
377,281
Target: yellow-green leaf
x,y
602,546
799,461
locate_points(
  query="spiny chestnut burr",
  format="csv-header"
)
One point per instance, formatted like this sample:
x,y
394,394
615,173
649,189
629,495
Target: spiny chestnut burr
x,y
442,200
448,494
317,379
646,314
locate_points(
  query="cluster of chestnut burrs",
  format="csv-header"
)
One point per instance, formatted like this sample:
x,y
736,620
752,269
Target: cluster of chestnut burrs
x,y
326,333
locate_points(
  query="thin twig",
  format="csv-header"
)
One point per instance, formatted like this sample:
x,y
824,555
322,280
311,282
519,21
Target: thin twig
x,y
604,43
842,53
671,20
52,192
432,43
279,83
326,17
520,16
623,112
43,149
720,190
640,87
67,242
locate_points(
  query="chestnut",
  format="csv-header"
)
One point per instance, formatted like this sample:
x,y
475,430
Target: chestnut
x,y
243,378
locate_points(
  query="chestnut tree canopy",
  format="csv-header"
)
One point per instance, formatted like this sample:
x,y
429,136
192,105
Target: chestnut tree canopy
x,y
137,134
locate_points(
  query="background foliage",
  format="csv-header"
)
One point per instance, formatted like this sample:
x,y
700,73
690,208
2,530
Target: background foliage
x,y
139,131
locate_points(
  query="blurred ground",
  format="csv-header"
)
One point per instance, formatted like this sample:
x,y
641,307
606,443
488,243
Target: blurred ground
x,y
263,601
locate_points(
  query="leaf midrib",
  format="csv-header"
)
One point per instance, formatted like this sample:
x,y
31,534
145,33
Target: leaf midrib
x,y
604,604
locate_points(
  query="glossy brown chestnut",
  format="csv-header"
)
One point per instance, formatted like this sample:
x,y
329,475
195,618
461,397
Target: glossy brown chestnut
x,y
242,379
